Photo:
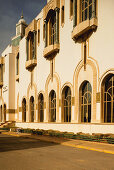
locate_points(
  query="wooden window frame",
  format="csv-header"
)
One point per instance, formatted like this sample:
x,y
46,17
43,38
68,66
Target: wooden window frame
x,y
71,9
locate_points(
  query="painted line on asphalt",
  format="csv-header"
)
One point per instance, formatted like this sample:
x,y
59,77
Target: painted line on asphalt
x,y
88,148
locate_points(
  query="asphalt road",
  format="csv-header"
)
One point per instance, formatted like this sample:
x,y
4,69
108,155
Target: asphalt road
x,y
18,153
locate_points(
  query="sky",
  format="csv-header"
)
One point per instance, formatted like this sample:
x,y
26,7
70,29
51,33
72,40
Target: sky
x,y
10,13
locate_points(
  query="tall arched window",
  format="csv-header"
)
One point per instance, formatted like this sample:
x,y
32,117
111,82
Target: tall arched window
x,y
52,106
4,112
108,99
85,98
32,109
88,7
41,108
66,104
24,110
52,27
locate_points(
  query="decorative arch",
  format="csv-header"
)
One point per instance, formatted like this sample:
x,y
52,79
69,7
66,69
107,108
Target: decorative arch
x,y
69,85
104,75
52,85
31,91
94,68
107,97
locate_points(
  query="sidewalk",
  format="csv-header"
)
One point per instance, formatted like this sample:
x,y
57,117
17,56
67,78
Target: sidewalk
x,y
94,146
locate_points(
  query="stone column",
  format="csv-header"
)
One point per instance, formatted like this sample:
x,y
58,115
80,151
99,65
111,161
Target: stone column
x,y
26,49
93,8
34,32
57,25
74,13
45,21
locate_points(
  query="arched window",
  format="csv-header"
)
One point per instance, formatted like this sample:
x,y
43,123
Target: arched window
x,y
31,45
52,27
87,8
41,108
24,110
108,99
66,104
85,98
32,109
4,112
52,106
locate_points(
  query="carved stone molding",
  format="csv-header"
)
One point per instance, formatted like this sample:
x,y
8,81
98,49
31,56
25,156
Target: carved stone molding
x,y
31,27
52,4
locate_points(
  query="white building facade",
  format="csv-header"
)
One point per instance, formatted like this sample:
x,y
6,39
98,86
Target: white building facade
x,y
58,72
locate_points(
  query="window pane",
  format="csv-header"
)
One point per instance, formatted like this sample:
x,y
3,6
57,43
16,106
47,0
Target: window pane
x,y
86,3
85,99
86,14
105,112
109,112
90,1
89,98
108,97
82,115
89,113
90,12
85,113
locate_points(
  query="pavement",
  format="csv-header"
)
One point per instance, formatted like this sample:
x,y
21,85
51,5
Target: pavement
x,y
94,146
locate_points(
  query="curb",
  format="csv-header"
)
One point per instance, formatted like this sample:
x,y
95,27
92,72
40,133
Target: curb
x,y
63,143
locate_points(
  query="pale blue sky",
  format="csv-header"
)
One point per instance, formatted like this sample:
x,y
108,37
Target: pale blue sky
x,y
10,12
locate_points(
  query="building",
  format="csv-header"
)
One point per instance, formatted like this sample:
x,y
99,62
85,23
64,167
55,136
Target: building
x,y
58,72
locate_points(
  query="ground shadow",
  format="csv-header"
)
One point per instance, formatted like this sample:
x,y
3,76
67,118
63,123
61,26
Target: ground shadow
x,y
11,143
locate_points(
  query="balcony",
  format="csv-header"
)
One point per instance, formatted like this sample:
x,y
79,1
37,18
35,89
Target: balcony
x,y
85,27
30,64
51,50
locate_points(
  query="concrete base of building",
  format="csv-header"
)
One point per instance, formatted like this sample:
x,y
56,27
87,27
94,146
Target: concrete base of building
x,y
71,127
